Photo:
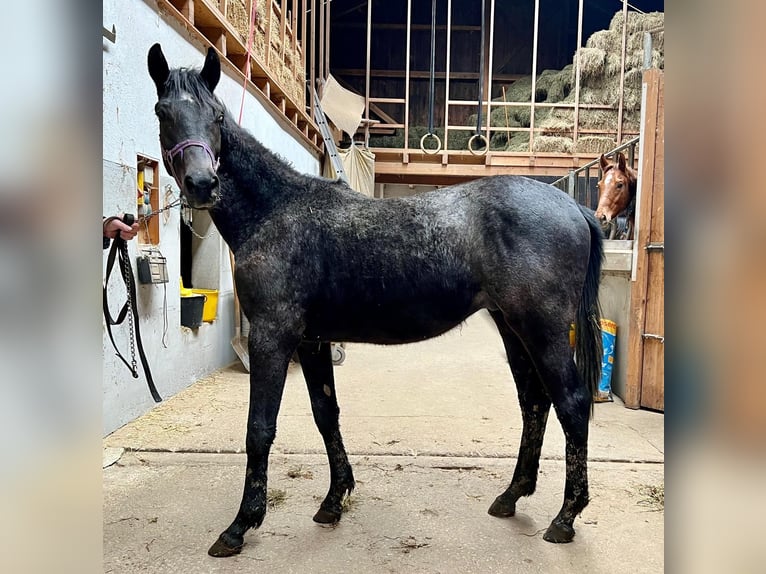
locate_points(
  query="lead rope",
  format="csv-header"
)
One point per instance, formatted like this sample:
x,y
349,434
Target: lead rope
x,y
129,309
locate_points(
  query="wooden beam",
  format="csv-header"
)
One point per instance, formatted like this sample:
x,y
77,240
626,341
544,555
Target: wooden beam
x,y
644,197
425,75
447,79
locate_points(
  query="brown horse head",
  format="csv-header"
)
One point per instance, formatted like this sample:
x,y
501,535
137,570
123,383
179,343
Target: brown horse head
x,y
616,189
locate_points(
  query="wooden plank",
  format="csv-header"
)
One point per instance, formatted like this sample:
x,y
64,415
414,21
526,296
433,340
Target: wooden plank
x,y
638,293
425,75
282,28
653,379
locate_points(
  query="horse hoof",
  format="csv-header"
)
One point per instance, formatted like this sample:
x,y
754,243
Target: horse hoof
x,y
326,517
502,508
222,548
559,533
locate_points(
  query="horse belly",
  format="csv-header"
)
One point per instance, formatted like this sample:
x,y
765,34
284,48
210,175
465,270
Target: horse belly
x,y
392,321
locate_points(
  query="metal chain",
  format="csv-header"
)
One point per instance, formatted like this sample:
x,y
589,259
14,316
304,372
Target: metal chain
x,y
128,273
185,217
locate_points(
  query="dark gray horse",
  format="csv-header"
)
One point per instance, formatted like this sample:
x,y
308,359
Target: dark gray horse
x,y
317,262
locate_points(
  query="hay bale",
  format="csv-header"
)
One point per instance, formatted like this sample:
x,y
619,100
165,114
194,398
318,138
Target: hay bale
x,y
594,144
606,40
553,144
638,22
592,61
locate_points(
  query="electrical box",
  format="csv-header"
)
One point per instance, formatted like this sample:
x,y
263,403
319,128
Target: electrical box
x,y
152,268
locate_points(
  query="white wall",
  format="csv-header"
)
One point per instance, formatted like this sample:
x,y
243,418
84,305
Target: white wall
x,y
130,128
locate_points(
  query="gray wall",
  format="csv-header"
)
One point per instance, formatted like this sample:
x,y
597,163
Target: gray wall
x,y
130,128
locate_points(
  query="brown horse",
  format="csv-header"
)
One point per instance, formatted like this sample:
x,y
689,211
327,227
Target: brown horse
x,y
616,196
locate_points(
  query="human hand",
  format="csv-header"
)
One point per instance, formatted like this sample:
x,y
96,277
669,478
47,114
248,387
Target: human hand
x,y
113,226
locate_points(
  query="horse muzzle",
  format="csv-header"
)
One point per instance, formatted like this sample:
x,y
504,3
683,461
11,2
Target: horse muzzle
x,y
201,189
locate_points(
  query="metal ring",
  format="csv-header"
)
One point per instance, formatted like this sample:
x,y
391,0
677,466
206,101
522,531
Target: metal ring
x,y
431,151
470,144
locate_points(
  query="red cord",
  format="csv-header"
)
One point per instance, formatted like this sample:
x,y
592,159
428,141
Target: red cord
x,y
247,65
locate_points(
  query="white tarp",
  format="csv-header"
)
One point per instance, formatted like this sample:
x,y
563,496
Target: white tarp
x,y
359,165
342,106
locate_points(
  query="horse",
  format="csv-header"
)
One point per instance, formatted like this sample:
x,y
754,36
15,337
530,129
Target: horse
x,y
616,195
317,262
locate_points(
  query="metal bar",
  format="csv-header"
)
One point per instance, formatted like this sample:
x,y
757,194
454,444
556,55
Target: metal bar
x,y
587,187
407,79
110,35
577,72
622,70
267,49
534,77
328,20
489,67
446,75
655,247
313,82
647,50
322,71
303,45
367,68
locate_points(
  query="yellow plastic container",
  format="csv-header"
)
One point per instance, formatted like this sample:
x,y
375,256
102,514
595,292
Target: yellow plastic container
x,y
210,310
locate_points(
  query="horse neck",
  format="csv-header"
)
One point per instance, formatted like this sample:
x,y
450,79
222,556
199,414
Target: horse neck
x,y
254,182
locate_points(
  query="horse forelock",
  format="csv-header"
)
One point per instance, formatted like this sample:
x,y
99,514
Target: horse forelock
x,y
185,83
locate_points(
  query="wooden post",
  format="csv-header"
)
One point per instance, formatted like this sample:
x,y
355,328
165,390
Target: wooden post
x,y
312,79
282,27
650,186
267,48
534,77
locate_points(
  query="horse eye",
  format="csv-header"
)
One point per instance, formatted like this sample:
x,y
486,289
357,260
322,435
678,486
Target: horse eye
x,y
219,118
619,185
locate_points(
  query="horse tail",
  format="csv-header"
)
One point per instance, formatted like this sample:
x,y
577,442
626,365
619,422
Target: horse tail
x,y
588,346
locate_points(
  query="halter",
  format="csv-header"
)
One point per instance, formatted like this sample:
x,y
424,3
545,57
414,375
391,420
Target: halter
x,y
169,156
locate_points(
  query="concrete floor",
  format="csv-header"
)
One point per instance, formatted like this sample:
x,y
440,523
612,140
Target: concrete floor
x,y
432,429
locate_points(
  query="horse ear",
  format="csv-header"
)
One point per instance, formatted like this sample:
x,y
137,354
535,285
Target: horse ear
x,y
621,162
211,71
158,68
603,162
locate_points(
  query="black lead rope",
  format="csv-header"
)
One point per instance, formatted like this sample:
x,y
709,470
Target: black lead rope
x,y
120,247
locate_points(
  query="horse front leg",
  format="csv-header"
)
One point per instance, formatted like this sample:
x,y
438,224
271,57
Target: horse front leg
x,y
270,354
316,362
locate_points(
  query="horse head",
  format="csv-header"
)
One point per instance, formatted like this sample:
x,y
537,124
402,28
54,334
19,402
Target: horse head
x,y
190,119
616,189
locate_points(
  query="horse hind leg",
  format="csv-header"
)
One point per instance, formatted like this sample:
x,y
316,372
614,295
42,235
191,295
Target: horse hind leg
x,y
572,402
316,362
535,406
